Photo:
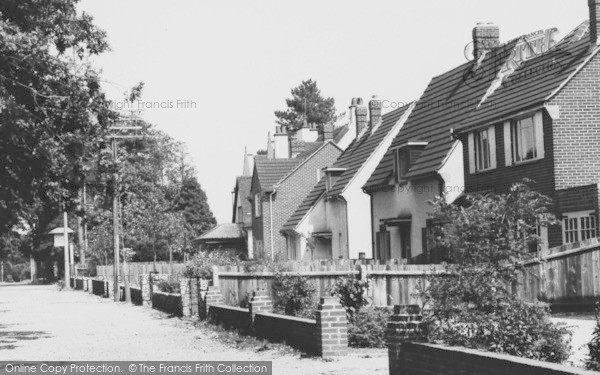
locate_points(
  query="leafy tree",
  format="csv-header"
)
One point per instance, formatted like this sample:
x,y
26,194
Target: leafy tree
x,y
475,305
193,204
52,110
307,103
592,362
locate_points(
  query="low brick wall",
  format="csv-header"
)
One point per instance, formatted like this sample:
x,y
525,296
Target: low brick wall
x,y
136,294
167,302
426,359
99,288
229,316
408,353
296,332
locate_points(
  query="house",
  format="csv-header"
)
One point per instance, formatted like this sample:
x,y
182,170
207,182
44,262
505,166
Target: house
x,y
282,179
242,208
227,237
333,221
425,160
540,120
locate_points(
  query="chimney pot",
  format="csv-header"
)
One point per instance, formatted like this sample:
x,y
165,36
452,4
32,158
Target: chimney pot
x,y
485,38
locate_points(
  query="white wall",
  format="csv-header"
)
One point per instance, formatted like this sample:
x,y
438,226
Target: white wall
x,y
453,173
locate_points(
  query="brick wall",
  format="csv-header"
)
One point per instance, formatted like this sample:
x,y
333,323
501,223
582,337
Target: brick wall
x,y
296,332
429,359
409,355
167,302
229,316
292,192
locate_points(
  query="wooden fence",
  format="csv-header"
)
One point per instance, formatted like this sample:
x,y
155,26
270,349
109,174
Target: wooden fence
x,y
564,275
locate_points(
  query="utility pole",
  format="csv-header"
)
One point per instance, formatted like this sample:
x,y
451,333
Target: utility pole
x,y
119,133
67,250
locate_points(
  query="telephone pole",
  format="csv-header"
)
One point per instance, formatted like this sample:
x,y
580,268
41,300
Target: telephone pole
x,y
119,132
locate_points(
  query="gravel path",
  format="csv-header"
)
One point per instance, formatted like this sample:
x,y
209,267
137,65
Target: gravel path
x,y
37,322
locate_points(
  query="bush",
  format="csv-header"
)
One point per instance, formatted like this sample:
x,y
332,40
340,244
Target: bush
x,y
294,295
202,263
593,360
351,292
168,286
366,328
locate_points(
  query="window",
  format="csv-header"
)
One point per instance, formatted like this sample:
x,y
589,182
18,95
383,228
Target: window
x,y
257,205
482,150
524,139
401,164
579,226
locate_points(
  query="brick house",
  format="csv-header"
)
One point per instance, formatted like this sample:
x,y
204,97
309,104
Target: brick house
x,y
540,120
282,179
333,221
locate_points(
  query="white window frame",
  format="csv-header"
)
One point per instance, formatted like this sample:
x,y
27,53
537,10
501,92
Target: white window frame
x,y
579,226
474,150
511,128
257,205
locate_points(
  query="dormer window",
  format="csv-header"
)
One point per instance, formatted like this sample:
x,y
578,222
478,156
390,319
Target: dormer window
x,y
404,157
331,176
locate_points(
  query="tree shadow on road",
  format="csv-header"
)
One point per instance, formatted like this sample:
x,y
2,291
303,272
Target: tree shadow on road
x,y
9,338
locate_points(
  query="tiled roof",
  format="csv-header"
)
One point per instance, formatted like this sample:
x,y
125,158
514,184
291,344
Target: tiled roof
x,y
270,171
309,149
305,206
447,101
243,185
352,159
222,232
361,148
533,83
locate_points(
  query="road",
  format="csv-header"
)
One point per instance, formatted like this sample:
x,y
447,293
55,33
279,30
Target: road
x,y
38,322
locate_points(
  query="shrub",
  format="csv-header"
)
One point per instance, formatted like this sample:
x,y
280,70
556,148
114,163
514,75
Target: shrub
x,y
202,263
351,292
593,360
168,286
294,295
474,304
366,328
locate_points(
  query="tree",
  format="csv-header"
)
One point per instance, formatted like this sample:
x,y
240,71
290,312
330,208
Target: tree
x,y
308,104
193,204
474,304
52,110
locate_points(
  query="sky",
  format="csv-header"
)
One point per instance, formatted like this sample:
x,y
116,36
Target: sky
x,y
215,71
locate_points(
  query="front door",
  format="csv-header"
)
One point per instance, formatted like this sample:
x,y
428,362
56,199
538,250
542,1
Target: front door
x,y
405,241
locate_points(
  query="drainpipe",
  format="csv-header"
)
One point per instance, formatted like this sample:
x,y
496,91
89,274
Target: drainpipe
x,y
271,222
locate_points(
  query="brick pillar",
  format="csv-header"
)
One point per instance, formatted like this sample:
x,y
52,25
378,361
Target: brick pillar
x,y
212,297
194,295
145,289
184,286
405,325
260,302
332,328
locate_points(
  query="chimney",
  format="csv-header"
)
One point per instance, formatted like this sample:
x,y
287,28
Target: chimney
x,y
308,132
282,144
374,112
328,132
361,116
270,153
297,147
594,12
485,38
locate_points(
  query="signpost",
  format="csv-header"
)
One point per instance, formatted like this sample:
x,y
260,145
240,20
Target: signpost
x,y
61,239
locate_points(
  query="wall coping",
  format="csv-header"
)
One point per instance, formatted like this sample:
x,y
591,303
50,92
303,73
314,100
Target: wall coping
x,y
288,317
227,307
510,358
166,294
